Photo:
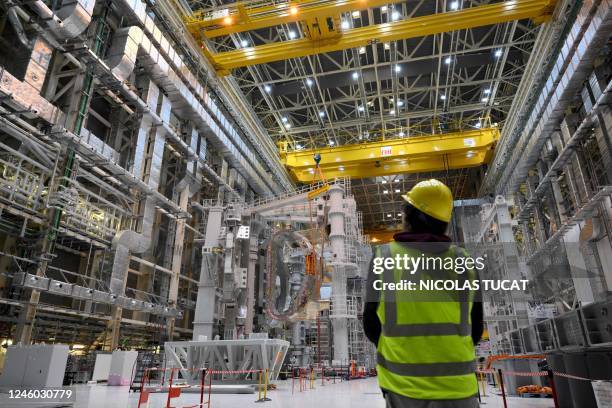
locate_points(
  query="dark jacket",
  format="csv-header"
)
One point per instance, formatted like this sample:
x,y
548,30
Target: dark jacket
x,y
371,323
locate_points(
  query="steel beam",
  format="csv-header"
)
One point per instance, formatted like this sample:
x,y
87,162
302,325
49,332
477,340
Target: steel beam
x,y
237,18
479,16
447,151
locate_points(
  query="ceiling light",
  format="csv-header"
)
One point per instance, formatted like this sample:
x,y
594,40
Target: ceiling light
x,y
292,35
396,181
355,75
284,119
397,190
244,43
309,82
293,10
487,91
267,88
448,60
362,50
498,53
454,5
384,181
383,9
399,214
401,134
298,147
400,103
341,168
395,15
388,215
356,14
360,108
227,20
477,125
485,99
392,112
331,143
387,46
287,125
443,97
345,25
398,68
385,191
321,114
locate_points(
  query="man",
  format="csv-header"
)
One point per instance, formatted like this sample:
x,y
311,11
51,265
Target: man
x,y
425,339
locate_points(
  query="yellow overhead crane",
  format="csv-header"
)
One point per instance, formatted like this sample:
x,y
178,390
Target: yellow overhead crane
x,y
311,14
320,22
468,148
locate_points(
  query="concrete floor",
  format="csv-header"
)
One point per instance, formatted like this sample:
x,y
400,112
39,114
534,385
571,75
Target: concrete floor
x,y
353,394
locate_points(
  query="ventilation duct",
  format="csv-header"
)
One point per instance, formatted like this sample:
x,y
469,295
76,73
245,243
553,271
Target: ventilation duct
x,y
70,20
189,97
123,51
128,241
571,69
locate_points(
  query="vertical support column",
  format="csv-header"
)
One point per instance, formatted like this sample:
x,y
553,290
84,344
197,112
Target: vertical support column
x,y
578,268
604,140
205,303
177,255
36,73
253,258
229,302
604,246
339,304
7,245
224,176
512,267
140,161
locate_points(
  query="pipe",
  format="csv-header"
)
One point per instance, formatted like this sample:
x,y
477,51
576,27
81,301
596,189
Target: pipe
x,y
18,27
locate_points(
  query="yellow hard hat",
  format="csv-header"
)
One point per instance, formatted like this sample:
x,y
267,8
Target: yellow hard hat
x,y
433,198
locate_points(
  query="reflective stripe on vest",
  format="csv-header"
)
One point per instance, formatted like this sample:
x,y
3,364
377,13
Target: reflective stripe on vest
x,y
428,369
391,328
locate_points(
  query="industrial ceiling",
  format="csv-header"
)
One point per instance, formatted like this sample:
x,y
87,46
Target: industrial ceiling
x,y
433,84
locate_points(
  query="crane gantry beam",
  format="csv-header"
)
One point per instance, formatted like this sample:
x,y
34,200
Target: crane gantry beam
x,y
335,39
238,18
468,148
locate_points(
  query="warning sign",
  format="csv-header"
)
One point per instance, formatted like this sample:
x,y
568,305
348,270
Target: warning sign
x,y
385,151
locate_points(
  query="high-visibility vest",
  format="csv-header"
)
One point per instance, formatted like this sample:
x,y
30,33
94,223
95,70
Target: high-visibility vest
x,y
425,350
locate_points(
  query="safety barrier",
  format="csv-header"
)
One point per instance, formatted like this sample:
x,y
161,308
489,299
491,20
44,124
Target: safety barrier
x,y
168,381
262,386
174,387
306,377
499,379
